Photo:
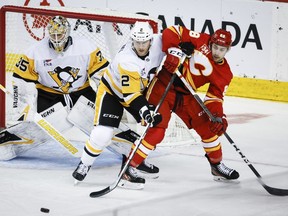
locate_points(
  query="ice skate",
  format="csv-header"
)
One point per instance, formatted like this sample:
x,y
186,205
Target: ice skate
x,y
147,170
221,172
131,178
80,172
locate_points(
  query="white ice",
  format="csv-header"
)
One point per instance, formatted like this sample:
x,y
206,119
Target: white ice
x,y
42,177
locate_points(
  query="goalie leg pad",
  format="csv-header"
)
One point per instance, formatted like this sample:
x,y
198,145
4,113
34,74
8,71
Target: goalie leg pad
x,y
128,135
122,140
56,115
6,151
17,140
76,117
119,147
24,94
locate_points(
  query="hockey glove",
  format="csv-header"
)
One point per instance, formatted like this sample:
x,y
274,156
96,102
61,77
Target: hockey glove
x,y
171,63
219,125
156,116
187,48
150,117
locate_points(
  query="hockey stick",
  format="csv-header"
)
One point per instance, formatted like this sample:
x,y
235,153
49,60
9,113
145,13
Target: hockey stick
x,y
138,141
270,190
50,130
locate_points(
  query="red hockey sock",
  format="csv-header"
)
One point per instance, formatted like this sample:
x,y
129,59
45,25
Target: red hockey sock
x,y
152,138
215,156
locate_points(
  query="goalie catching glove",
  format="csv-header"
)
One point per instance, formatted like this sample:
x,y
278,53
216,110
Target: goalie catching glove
x,y
149,116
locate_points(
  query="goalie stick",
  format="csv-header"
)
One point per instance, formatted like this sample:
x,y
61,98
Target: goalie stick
x,y
270,190
138,141
51,131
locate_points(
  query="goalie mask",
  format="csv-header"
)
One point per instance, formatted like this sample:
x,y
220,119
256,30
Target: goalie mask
x,y
59,32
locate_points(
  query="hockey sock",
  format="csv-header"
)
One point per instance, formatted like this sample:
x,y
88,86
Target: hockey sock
x,y
141,153
152,138
215,156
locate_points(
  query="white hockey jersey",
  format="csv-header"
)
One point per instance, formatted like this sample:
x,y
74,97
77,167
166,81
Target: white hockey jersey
x,y
64,72
128,75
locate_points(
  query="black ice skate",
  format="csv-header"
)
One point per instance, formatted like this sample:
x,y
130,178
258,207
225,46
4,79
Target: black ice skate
x,y
131,179
222,172
147,170
81,171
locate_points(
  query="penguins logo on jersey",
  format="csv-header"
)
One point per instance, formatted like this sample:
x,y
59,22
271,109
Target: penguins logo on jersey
x,y
64,77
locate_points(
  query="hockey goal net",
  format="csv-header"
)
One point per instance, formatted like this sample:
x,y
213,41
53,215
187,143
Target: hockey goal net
x,y
20,27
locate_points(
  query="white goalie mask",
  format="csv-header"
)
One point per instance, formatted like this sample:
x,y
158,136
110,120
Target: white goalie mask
x,y
59,32
141,31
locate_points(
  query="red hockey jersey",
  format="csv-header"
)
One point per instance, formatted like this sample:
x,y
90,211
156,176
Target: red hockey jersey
x,y
200,69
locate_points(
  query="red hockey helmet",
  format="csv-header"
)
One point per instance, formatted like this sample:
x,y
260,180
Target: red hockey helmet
x,y
222,38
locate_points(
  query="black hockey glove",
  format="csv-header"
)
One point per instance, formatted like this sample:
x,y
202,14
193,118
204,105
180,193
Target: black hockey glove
x,y
187,48
156,116
150,117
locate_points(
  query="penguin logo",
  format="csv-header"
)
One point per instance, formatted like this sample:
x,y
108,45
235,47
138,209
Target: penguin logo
x,y
64,77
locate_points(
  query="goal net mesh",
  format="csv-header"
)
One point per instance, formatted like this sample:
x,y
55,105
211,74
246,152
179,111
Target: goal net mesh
x,y
107,29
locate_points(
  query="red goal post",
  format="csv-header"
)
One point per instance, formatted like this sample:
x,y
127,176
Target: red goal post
x,y
20,27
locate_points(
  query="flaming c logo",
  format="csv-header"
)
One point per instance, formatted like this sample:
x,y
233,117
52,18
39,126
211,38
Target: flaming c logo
x,y
36,24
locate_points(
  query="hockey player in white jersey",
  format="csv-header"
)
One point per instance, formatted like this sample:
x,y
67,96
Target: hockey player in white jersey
x,y
59,67
121,87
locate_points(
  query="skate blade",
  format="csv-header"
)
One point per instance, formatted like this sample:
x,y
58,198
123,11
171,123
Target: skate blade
x,y
146,175
76,182
222,179
129,185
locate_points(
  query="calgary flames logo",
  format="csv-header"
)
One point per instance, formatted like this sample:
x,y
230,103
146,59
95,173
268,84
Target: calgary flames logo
x,y
36,24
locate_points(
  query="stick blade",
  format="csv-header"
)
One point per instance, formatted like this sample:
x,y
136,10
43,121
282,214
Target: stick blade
x,y
276,191
273,191
101,192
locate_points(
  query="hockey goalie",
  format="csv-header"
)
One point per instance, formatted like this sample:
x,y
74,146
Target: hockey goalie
x,y
49,79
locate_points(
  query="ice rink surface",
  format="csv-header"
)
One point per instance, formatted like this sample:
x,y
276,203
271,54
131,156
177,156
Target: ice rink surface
x,y
42,177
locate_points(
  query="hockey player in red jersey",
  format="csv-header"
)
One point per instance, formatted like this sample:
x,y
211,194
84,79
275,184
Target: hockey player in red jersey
x,y
205,65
